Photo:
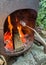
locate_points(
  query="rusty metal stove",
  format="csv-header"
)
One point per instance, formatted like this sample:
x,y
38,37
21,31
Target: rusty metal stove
x,y
18,10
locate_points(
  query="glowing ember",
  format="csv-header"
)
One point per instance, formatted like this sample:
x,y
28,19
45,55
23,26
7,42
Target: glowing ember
x,y
8,41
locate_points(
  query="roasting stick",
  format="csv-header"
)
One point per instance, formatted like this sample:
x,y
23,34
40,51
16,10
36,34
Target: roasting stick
x,y
24,24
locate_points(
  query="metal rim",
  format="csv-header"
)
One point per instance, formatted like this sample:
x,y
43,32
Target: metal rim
x,y
14,53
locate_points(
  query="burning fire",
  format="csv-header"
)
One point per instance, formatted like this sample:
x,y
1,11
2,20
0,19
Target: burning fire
x,y
8,36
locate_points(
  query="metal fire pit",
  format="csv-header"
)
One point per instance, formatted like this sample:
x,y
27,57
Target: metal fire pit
x,y
9,8
27,16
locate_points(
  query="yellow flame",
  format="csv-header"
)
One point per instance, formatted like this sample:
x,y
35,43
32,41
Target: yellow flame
x,y
19,27
10,25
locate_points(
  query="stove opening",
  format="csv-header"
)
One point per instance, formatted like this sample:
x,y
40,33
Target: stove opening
x,y
16,36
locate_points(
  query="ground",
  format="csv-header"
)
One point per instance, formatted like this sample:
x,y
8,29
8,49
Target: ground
x,y
34,56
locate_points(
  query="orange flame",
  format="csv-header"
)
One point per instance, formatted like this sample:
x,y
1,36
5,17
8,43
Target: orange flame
x,y
10,25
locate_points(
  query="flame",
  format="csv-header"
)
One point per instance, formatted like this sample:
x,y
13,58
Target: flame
x,y
10,25
19,27
8,36
19,30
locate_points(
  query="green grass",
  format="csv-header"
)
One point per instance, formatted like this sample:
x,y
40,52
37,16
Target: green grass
x,y
41,19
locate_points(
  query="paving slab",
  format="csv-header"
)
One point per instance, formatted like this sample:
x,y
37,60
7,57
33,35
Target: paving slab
x,y
34,56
